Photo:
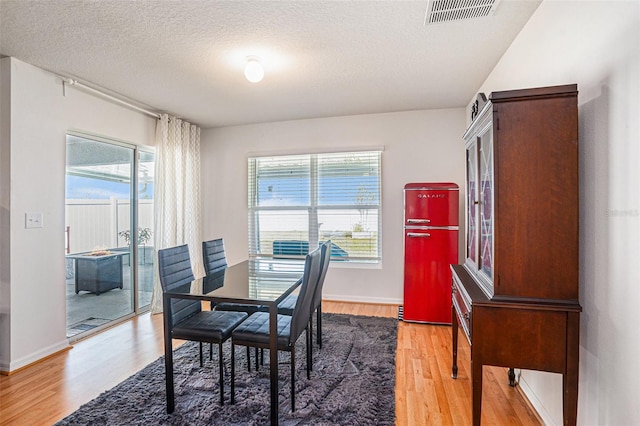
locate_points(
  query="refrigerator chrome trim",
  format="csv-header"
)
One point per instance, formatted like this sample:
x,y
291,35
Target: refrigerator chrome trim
x,y
418,235
430,188
433,228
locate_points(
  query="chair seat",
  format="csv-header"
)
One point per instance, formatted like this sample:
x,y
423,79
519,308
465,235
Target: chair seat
x,y
254,331
286,306
208,326
240,307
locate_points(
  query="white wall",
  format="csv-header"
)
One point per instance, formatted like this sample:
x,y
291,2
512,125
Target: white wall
x,y
5,175
419,146
595,44
40,116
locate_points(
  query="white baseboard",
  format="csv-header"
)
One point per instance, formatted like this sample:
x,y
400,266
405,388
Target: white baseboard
x,y
361,299
535,402
33,357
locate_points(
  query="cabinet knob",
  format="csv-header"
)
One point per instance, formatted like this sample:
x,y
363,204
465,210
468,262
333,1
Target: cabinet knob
x,y
476,202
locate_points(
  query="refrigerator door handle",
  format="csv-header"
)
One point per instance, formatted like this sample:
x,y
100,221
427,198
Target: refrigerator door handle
x,y
418,234
418,221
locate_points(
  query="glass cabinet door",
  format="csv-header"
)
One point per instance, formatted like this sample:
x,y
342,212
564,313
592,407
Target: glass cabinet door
x,y
472,203
486,202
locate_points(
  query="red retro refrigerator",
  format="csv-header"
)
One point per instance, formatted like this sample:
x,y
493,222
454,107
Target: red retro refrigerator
x,y
430,247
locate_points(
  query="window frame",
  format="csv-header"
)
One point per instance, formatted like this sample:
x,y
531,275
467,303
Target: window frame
x,y
314,208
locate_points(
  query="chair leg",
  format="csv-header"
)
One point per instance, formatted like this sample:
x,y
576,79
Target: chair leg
x,y
233,373
256,358
210,351
200,354
319,325
293,378
309,335
309,349
249,359
221,366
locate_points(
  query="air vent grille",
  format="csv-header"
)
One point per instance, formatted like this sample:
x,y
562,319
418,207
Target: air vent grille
x,y
455,10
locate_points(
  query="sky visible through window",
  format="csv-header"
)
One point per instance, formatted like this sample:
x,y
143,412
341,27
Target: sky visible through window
x,y
78,187
333,192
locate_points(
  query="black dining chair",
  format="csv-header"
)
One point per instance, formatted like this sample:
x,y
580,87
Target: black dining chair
x,y
213,255
214,259
316,305
286,306
188,320
254,331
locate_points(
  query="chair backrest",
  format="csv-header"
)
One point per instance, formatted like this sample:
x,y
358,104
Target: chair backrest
x,y
302,310
325,259
213,255
174,266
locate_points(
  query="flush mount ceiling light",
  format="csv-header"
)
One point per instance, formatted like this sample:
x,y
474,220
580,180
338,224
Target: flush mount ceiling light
x,y
253,70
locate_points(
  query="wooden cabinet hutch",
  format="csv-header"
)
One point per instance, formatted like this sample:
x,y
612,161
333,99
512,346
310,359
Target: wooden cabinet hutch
x,y
516,296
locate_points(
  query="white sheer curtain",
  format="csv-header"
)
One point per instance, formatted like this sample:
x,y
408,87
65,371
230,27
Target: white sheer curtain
x,y
177,194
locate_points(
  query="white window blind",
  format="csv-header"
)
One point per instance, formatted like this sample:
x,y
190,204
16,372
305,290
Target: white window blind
x,y
299,201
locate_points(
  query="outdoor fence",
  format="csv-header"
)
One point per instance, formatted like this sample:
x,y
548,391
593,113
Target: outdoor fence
x,y
97,224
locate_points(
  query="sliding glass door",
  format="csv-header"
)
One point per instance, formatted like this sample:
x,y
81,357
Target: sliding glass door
x,y
109,232
146,251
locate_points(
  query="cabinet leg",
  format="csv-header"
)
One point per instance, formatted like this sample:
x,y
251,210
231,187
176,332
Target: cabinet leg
x,y
476,388
570,378
512,377
454,342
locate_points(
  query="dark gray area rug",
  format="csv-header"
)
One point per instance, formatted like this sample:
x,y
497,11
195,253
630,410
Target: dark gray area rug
x,y
352,383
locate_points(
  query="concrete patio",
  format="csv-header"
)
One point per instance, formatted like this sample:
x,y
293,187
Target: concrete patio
x,y
86,311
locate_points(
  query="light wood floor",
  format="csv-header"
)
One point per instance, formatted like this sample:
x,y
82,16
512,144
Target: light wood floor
x,y
46,392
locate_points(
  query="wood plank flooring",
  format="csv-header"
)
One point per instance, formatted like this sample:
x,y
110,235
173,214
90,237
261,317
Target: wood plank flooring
x,y
48,391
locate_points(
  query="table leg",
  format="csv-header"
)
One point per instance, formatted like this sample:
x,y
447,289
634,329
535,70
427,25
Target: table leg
x,y
273,360
168,354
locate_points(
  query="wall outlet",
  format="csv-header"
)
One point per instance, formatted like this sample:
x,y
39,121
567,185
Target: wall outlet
x,y
33,220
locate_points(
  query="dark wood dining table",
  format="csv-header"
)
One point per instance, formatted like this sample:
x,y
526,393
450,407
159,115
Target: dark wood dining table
x,y
264,281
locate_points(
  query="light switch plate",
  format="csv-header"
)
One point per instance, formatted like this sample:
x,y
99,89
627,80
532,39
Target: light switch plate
x,y
33,220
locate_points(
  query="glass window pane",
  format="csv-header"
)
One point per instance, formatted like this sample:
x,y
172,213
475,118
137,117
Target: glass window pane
x,y
283,232
146,251
299,201
348,179
354,233
283,181
99,274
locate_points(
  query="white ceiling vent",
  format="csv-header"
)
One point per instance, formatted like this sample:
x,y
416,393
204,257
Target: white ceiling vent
x,y
455,10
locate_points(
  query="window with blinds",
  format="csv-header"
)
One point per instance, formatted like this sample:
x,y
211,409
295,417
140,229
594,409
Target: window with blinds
x,y
297,202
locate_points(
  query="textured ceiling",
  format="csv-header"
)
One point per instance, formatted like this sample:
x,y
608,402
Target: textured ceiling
x,y
321,58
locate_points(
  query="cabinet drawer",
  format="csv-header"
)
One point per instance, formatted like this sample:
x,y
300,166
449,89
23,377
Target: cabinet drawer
x,y
462,305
